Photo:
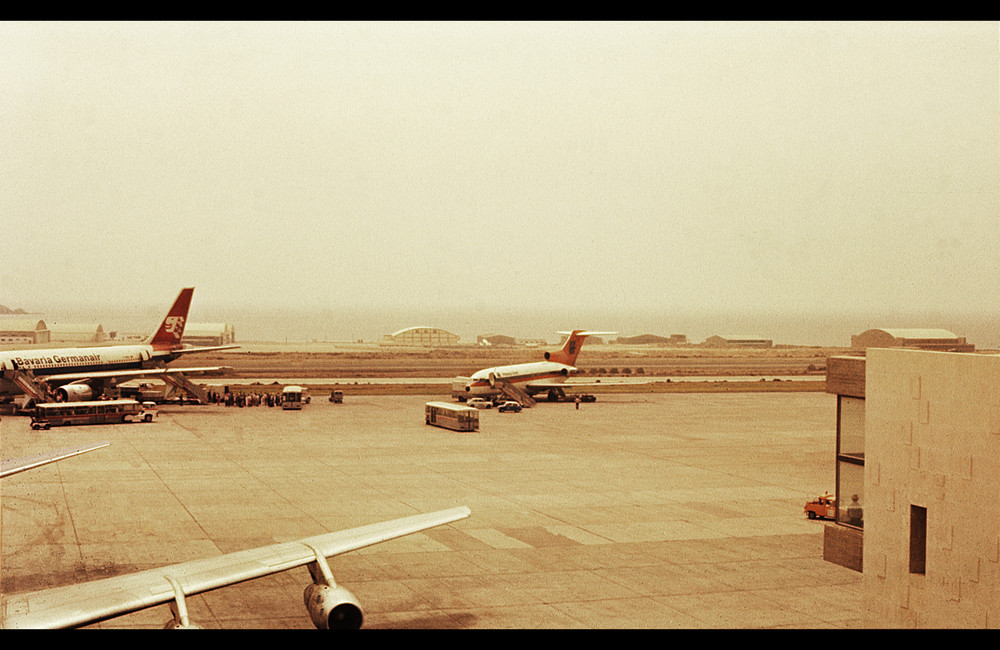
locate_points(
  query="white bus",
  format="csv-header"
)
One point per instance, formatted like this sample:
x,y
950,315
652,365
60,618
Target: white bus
x,y
294,397
451,416
99,412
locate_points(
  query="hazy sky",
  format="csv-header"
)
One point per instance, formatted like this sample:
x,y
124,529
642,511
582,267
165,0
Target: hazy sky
x,y
682,167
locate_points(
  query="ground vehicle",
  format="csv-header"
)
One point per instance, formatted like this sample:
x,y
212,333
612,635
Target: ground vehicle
x,y
451,416
480,403
822,507
294,397
337,396
99,412
510,405
149,411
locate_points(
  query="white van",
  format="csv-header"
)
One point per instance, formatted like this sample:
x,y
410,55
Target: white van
x,y
294,397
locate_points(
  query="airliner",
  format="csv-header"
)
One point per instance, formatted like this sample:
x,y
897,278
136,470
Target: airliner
x,y
330,606
80,374
548,376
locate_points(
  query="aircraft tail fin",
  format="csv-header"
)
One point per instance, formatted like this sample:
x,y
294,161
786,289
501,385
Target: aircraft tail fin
x,y
169,334
571,348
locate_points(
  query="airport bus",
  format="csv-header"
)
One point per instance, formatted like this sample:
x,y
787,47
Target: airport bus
x,y
451,416
99,412
294,397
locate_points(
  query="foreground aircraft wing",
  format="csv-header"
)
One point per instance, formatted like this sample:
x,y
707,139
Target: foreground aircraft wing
x,y
91,602
126,375
15,465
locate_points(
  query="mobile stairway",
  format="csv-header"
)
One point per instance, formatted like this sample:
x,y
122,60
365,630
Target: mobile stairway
x,y
510,391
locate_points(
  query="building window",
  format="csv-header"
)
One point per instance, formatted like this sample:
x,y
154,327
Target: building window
x,y
850,460
851,427
918,539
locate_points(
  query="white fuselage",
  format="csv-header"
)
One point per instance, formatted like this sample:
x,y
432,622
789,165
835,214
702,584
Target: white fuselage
x,y
75,360
520,374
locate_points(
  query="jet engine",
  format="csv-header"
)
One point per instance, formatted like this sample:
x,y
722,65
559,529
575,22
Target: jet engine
x,y
74,393
333,608
174,625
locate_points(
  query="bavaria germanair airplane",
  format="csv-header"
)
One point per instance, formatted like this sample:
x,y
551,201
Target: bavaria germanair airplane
x,y
80,374
330,605
549,376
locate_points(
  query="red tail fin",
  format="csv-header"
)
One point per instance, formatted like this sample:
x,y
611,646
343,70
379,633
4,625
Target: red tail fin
x,y
570,348
172,328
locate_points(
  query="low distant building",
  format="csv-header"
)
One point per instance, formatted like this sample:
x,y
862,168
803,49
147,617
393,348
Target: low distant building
x,y
923,339
77,333
23,330
737,341
652,339
209,334
496,339
421,337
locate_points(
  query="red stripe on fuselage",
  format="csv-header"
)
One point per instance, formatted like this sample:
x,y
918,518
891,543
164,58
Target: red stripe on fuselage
x,y
516,379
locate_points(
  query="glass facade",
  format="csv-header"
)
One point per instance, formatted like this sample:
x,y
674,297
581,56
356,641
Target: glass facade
x,y
850,461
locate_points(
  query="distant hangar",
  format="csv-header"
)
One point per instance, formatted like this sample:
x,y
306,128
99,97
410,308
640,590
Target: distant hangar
x,y
23,330
924,339
420,336
31,331
209,334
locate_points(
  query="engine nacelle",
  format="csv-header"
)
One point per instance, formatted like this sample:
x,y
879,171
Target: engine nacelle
x,y
74,393
174,625
333,608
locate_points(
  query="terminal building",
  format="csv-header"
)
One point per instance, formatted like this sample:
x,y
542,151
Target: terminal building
x,y
918,444
420,336
924,339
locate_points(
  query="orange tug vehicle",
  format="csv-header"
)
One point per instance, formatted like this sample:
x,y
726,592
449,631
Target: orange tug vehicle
x,y
822,507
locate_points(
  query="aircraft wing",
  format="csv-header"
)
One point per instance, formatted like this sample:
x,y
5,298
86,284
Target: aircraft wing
x,y
126,375
552,382
15,465
559,382
191,349
90,602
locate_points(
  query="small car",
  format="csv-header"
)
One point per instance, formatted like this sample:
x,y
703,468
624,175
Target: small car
x,y
480,403
510,405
